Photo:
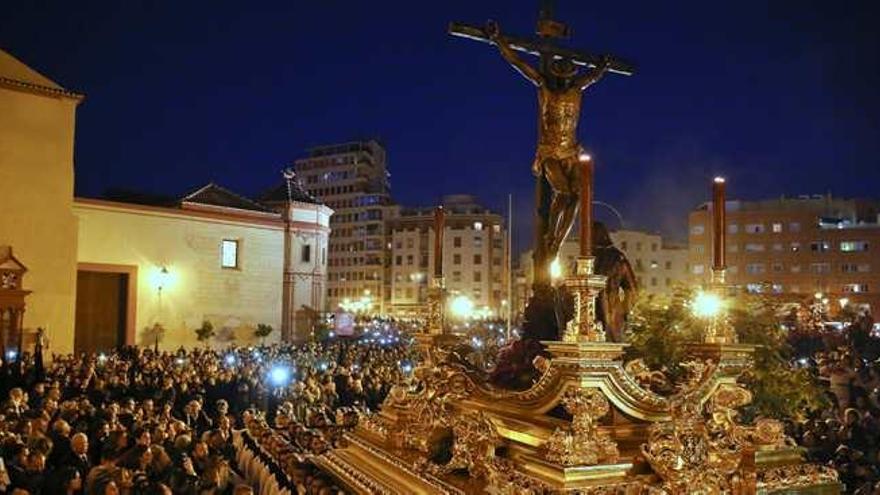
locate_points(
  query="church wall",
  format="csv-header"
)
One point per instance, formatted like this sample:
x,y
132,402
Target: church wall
x,y
233,300
37,221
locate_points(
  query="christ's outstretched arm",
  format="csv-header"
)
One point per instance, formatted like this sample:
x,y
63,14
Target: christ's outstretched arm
x,y
512,58
593,75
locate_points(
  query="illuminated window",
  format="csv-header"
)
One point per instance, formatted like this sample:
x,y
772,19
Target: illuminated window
x,y
478,225
820,246
849,288
229,253
697,230
777,228
754,288
698,269
853,246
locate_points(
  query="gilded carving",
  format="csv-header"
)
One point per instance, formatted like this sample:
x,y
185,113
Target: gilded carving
x,y
582,443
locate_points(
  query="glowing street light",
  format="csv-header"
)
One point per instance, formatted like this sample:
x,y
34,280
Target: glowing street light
x,y
462,307
706,305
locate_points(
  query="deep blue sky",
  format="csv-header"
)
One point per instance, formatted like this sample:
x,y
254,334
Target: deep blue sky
x,y
781,96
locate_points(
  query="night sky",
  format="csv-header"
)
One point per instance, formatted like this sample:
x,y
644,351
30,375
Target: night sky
x,y
781,96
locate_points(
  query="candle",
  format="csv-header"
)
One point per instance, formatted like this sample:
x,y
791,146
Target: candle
x,y
719,213
586,220
439,227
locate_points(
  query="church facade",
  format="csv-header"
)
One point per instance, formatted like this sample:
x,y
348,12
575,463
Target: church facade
x,y
106,273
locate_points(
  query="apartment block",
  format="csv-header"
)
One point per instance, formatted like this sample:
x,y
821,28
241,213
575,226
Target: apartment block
x,y
794,247
352,179
474,255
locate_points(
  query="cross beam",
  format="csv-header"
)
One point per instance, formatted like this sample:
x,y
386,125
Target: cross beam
x,y
542,47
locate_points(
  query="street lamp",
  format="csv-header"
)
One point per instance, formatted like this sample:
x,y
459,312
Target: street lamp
x,y
462,307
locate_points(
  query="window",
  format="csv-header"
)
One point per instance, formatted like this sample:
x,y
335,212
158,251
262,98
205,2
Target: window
x,y
855,267
820,246
409,259
478,276
668,265
754,248
697,230
795,247
653,281
794,227
776,227
456,242
478,241
229,253
478,225
755,228
456,276
456,259
732,228
698,269
755,268
398,260
777,267
638,246
733,269
409,243
478,259
699,249
306,253
795,268
849,288
853,246
777,246
820,267
653,246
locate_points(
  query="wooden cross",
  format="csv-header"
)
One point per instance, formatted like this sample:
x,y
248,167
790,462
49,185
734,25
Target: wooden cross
x,y
548,29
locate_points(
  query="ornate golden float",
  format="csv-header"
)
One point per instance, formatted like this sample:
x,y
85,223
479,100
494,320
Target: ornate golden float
x,y
587,424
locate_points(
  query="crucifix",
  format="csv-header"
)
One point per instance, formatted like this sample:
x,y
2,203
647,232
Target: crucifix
x,y
559,161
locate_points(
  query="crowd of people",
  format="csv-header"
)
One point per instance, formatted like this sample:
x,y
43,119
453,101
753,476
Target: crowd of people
x,y
846,434
137,421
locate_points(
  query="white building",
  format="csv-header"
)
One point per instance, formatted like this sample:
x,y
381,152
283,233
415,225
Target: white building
x,y
474,254
658,265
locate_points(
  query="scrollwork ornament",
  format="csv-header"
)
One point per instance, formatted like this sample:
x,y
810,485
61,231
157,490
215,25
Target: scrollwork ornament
x,y
582,443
